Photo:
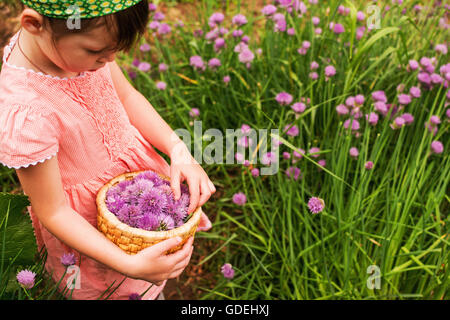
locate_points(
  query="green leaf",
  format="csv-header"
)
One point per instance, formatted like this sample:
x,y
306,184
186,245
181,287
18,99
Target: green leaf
x,y
17,230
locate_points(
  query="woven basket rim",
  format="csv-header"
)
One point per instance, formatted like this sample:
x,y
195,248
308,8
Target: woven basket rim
x,y
145,234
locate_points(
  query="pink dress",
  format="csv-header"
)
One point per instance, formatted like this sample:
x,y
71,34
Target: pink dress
x,y
83,121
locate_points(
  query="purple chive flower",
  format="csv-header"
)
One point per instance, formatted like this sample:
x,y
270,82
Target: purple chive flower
x,y
255,172
322,162
161,85
245,128
435,120
316,205
239,157
152,7
404,99
359,99
284,98
152,201
145,47
216,18
372,118
226,79
136,62
338,28
350,101
314,75
408,118
415,92
436,79
298,107
68,259
154,25
162,67
368,165
164,28
269,10
314,152
239,198
219,43
398,123
246,55
214,63
227,271
425,61
298,155
354,152
413,64
291,131
437,147
239,20
132,75
354,123
381,107
144,66
314,65
134,296
197,62
379,96
315,20
342,109
293,172
360,16
424,77
194,112
330,71
268,158
159,16
237,33
26,278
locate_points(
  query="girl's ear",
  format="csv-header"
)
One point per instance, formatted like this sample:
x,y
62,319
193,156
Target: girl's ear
x,y
32,21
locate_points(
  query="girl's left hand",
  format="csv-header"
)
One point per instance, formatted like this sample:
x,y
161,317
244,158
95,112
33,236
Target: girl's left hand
x,y
184,167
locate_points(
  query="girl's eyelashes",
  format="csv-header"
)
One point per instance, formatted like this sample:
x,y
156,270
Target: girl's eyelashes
x,y
93,51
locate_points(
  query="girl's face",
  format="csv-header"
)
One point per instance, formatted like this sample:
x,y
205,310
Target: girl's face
x,y
83,52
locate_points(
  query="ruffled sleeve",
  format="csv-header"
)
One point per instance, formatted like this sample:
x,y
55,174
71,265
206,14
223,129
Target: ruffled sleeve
x,y
27,136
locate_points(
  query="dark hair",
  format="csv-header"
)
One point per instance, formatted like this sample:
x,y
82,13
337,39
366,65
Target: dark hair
x,y
128,25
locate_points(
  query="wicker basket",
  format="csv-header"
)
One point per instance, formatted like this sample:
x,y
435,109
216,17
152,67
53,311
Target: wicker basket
x,y
130,239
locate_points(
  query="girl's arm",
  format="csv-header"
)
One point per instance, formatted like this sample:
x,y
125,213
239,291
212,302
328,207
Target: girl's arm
x,y
42,184
142,115
155,130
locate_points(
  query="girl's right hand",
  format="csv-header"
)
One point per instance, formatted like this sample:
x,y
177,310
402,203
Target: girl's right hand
x,y
153,265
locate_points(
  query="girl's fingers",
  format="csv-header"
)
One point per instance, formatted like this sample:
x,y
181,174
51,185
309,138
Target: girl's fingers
x,y
175,183
194,190
181,254
211,186
205,224
183,263
205,193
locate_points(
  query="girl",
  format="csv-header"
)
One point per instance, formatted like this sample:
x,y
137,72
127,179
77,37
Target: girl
x,y
69,122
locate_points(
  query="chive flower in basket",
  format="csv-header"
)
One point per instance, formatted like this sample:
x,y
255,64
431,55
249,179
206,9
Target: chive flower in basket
x,y
147,202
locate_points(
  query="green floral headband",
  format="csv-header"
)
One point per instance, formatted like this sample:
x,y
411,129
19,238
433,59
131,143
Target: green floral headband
x,y
64,9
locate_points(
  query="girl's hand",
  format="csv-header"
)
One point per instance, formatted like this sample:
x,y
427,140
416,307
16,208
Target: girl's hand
x,y
204,224
184,167
152,264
